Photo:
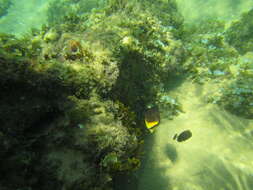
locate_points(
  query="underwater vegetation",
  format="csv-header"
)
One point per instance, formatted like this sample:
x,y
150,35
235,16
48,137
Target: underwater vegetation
x,y
237,94
74,93
217,54
239,34
209,56
62,10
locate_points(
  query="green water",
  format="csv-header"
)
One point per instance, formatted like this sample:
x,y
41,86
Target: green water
x,y
219,154
195,10
24,15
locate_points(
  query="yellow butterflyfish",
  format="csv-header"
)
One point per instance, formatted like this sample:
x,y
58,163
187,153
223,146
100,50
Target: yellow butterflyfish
x,y
152,118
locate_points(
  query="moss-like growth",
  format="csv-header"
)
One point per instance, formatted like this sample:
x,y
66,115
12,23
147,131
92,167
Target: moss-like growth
x,y
69,13
214,54
239,34
237,94
74,92
209,56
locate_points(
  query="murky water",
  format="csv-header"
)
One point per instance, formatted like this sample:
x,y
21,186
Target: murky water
x,y
219,155
196,10
24,15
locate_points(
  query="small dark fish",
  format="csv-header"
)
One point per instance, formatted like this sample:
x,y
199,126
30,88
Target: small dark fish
x,y
184,136
175,136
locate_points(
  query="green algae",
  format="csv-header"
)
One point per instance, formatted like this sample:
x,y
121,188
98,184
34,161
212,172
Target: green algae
x,y
61,78
74,94
239,33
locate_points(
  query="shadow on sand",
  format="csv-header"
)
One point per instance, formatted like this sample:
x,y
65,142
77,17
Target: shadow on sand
x,y
150,175
171,152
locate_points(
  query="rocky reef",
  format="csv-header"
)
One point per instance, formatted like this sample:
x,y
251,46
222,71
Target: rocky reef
x,y
73,93
239,33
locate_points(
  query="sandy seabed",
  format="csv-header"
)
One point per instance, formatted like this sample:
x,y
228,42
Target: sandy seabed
x,y
219,156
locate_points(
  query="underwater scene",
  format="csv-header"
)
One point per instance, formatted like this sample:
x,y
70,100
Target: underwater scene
x,y
126,95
